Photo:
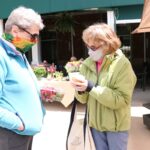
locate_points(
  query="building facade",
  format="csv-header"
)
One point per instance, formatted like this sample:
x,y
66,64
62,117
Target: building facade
x,y
58,43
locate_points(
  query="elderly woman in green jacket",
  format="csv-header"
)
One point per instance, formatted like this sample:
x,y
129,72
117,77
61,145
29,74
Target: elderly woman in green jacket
x,y
107,88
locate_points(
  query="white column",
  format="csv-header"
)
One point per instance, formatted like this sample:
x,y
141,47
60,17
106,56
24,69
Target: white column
x,y
111,19
1,27
36,55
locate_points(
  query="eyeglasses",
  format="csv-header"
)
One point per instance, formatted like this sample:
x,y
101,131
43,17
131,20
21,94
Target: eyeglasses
x,y
93,48
33,36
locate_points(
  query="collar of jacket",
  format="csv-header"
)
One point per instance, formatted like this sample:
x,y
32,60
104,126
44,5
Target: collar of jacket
x,y
108,59
9,47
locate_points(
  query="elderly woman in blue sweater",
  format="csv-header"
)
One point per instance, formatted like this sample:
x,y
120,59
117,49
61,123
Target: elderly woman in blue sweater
x,y
21,110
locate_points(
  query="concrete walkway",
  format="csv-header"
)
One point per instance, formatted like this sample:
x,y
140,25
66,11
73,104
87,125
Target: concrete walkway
x,y
53,134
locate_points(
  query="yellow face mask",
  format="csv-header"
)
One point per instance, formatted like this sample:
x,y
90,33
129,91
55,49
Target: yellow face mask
x,y
21,44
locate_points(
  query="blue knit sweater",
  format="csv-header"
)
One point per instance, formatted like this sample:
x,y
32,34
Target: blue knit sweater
x,y
19,93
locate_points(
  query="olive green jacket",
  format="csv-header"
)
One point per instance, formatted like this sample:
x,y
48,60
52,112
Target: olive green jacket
x,y
109,101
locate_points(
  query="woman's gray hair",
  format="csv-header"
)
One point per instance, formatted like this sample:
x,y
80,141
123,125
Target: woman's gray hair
x,y
23,17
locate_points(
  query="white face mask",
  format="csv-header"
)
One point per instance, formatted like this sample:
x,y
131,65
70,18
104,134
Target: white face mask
x,y
95,55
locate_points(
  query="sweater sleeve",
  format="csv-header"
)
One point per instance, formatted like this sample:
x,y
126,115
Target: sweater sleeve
x,y
81,97
8,119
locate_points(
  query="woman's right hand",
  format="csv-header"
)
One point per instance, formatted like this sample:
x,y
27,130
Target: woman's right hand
x,y
79,85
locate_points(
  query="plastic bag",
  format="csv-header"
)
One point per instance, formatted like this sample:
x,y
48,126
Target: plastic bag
x,y
51,94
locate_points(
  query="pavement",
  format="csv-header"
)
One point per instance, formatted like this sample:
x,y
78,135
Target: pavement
x,y
56,122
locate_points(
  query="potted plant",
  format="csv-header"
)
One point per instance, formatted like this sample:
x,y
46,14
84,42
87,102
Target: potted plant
x,y
40,71
65,24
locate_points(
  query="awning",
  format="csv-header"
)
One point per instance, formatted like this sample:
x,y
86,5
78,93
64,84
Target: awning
x,y
145,21
55,6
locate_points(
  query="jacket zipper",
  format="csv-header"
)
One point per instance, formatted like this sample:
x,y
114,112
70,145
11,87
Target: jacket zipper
x,y
103,66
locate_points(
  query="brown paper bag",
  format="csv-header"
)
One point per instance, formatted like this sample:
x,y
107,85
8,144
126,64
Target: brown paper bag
x,y
79,134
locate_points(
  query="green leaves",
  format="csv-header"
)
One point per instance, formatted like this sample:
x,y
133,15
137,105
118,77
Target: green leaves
x,y
40,71
65,23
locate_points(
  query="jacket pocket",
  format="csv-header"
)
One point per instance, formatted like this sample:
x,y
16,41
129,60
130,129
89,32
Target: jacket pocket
x,y
108,119
21,121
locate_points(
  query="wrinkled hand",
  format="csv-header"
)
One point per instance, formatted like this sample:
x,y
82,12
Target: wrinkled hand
x,y
79,86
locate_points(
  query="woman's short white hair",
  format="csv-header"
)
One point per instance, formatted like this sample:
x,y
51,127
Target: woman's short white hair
x,y
23,17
